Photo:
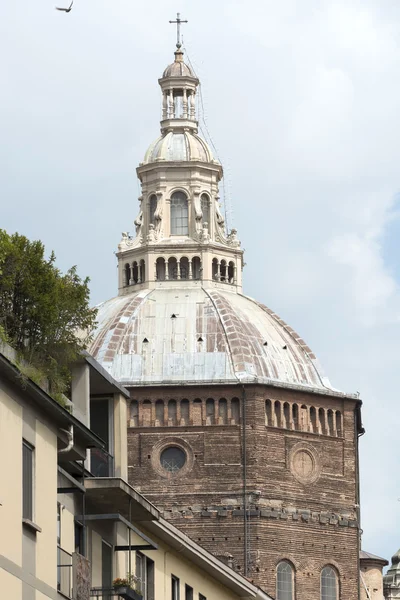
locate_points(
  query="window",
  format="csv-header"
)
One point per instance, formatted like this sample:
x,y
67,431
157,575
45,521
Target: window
x,y
205,209
284,581
329,584
172,459
179,214
145,575
106,565
79,538
188,592
153,208
27,481
174,588
201,597
58,523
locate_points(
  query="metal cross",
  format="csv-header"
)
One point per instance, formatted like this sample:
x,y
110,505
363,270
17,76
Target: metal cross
x,y
178,29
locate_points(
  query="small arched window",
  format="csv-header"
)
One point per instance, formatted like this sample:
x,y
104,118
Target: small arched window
x,y
179,214
284,581
329,584
152,209
205,209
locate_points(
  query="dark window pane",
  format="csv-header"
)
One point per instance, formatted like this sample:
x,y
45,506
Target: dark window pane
x,y
27,481
173,459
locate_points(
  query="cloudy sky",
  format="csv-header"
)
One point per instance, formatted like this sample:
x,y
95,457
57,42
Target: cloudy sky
x,y
302,101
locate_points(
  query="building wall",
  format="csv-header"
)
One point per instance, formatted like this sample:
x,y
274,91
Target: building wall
x,y
28,559
371,580
301,483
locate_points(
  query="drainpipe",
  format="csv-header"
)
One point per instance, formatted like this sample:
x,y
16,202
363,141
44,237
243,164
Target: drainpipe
x,y
70,436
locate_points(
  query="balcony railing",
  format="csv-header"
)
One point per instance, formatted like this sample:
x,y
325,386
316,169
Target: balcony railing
x,y
101,463
64,572
125,592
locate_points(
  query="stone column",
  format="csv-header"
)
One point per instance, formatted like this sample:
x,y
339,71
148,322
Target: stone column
x,y
155,271
166,269
190,269
178,268
164,105
234,274
171,107
185,104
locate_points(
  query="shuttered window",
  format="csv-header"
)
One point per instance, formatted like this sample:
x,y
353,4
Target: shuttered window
x,y
27,481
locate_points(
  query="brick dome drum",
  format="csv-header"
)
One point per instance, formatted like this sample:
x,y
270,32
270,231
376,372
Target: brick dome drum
x,y
196,335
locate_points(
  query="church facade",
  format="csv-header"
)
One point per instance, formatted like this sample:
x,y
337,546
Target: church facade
x,y
233,430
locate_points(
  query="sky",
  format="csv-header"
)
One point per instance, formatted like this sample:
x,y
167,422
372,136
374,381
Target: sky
x,y
302,102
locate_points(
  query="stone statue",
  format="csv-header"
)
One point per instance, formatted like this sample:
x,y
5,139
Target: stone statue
x,y
232,238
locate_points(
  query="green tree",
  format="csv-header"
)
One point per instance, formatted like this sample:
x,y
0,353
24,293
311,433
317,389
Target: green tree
x,y
41,309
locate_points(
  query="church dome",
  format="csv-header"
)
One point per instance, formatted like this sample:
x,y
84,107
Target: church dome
x,y
178,146
178,69
197,335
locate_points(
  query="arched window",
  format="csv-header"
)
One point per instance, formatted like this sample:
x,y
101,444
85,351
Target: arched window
x,y
127,274
146,413
197,412
184,267
205,209
338,424
160,269
172,268
160,412
277,413
223,270
231,272
222,411
135,272
284,581
286,414
215,265
185,412
210,414
196,267
321,418
142,271
152,209
313,419
268,412
179,214
134,414
172,412
329,584
330,422
235,411
295,414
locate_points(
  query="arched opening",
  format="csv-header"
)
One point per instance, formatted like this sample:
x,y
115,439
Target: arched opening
x,y
196,268
197,410
179,214
268,412
184,267
160,269
331,430
135,272
172,268
172,413
231,272
235,411
303,418
313,419
284,581
295,413
215,274
152,209
329,584
222,412
205,209
321,418
160,413
286,414
185,412
146,413
134,416
223,270
338,423
142,271
210,412
277,413
127,274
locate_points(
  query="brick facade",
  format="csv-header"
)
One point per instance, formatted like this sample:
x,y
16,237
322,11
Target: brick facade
x,y
285,486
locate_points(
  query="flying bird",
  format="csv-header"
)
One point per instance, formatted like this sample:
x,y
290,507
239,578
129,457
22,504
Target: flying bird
x,y
67,10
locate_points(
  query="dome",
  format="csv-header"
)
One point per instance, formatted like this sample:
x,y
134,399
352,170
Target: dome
x,y
178,69
182,146
197,335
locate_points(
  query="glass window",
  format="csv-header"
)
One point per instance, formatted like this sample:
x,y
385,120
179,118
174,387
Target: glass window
x,y
172,459
284,581
145,576
174,587
205,209
27,481
153,207
179,214
188,592
329,584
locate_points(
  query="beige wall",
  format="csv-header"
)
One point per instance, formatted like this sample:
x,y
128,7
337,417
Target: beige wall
x,y
372,579
11,474
46,504
10,586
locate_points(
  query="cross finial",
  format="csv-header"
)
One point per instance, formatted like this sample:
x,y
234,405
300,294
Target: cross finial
x,y
178,22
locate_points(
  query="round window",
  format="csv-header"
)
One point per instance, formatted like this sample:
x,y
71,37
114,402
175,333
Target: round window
x,y
172,459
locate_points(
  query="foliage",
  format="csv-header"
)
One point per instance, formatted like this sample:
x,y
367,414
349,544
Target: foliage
x,y
41,309
129,581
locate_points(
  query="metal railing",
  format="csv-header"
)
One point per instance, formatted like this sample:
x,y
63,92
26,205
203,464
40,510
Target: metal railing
x,y
64,572
101,463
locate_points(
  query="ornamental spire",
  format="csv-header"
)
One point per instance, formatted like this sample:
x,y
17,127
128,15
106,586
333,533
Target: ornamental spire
x,y
178,22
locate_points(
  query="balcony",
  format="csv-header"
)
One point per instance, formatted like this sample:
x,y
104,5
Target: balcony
x,y
125,592
101,463
64,572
